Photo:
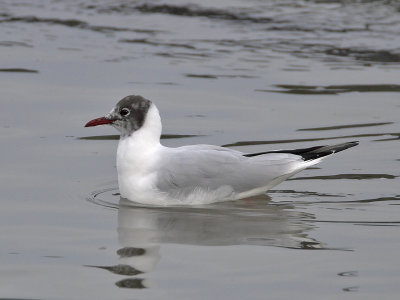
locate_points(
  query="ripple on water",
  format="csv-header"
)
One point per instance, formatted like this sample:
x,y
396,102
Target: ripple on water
x,y
392,136
18,70
116,137
333,89
347,126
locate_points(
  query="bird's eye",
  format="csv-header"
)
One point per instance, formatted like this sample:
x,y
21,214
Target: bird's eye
x,y
124,112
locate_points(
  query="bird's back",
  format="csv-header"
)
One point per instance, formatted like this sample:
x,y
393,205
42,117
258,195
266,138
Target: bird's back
x,y
220,172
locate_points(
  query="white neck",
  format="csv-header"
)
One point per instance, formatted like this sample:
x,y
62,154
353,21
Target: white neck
x,y
137,154
150,132
142,140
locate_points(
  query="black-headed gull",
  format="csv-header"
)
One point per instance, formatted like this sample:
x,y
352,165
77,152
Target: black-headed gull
x,y
151,173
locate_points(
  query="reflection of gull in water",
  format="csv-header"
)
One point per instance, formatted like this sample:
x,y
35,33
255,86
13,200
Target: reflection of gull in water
x,y
234,223
143,230
216,225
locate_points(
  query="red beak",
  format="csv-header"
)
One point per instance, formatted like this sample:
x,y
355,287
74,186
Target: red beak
x,y
98,121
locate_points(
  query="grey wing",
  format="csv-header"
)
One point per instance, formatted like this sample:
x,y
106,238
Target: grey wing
x,y
210,167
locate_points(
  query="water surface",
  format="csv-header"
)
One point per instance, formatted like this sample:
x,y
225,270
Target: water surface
x,y
251,75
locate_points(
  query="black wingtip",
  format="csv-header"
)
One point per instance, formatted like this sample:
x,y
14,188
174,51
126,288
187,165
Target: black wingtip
x,y
313,152
328,150
344,146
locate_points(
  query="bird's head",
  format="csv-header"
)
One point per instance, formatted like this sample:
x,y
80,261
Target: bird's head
x,y
127,116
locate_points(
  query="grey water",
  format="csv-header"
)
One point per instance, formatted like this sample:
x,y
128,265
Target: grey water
x,y
252,75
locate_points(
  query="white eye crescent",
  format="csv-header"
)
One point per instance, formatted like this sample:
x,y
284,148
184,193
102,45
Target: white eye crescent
x,y
124,112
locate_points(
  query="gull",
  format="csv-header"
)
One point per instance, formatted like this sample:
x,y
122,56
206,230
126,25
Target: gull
x,y
150,173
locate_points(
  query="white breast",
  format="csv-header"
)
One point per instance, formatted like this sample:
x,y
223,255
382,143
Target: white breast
x,y
137,158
